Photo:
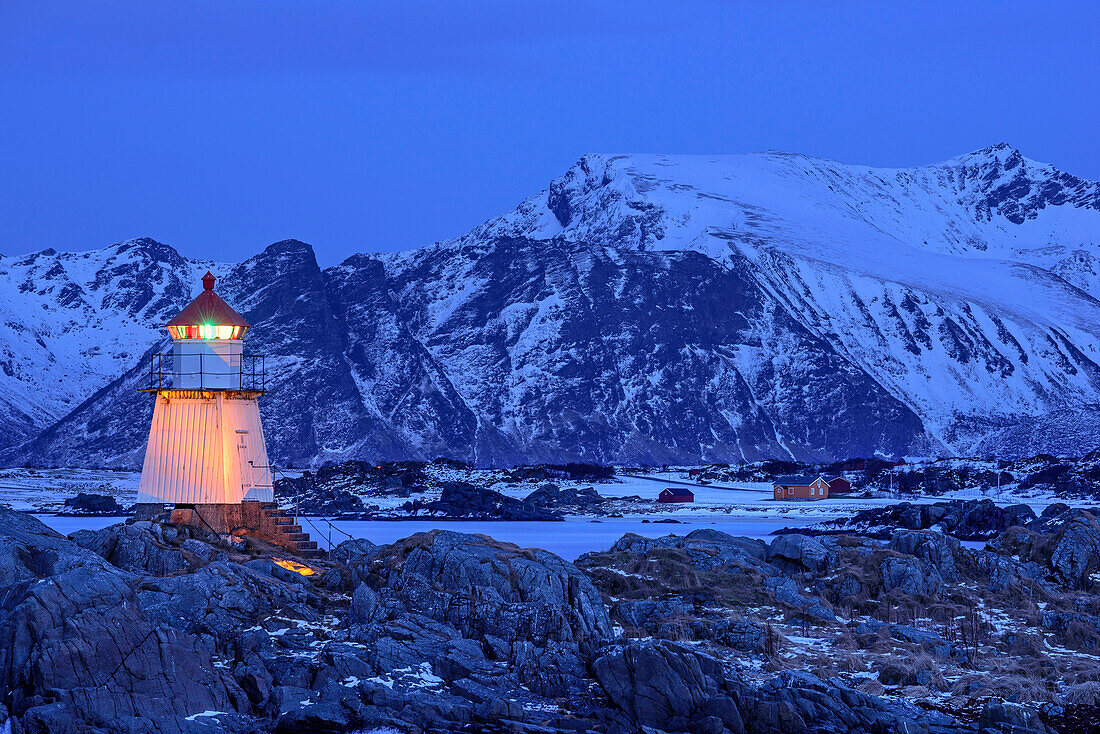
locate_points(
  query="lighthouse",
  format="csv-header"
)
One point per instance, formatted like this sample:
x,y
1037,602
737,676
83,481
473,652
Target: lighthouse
x,y
206,457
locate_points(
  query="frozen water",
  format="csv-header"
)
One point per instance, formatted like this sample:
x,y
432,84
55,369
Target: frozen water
x,y
567,539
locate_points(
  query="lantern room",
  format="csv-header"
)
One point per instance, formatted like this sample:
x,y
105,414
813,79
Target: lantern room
x,y
208,317
207,351
206,331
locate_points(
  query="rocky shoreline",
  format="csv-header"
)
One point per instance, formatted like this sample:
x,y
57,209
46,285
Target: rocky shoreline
x,y
961,519
145,627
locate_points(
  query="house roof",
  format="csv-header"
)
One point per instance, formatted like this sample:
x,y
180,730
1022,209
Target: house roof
x,y
679,491
796,480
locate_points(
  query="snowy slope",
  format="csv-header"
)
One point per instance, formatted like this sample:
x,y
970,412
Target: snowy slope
x,y
74,321
639,309
965,288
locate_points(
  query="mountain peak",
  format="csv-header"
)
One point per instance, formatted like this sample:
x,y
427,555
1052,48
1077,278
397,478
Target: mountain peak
x,y
283,256
150,248
998,154
1001,147
289,246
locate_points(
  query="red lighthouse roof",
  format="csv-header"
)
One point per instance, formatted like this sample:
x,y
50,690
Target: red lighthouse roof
x,y
208,317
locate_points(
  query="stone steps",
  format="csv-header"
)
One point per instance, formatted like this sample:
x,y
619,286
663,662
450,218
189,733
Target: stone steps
x,y
287,533
267,522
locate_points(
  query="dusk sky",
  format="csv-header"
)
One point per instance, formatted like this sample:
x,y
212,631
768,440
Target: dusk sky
x,y
220,127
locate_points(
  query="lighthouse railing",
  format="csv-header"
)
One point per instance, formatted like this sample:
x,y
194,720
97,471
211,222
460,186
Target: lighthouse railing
x,y
168,371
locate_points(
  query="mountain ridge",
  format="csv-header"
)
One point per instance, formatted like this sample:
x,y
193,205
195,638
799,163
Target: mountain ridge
x,y
930,309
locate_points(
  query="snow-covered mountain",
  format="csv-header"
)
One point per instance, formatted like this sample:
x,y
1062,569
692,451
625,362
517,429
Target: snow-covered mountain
x,y
75,321
641,308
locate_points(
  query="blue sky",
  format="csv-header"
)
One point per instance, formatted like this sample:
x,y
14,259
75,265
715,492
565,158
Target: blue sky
x,y
222,126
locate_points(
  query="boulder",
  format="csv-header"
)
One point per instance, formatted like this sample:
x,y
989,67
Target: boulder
x,y
728,546
707,549
796,701
977,520
323,717
578,500
353,559
219,599
464,500
786,592
1003,570
1020,515
86,503
666,686
1076,556
353,548
930,640
846,586
800,553
909,576
364,605
145,548
1001,717
485,587
935,549
551,670
740,634
644,613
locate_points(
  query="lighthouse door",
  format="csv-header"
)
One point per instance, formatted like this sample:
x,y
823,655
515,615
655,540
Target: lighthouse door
x,y
244,456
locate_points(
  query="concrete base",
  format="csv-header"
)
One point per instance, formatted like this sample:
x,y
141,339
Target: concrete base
x,y
218,519
256,519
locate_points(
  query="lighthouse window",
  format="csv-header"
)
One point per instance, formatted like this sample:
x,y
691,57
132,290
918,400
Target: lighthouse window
x,y
206,331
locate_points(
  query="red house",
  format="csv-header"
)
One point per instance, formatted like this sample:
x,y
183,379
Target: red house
x,y
676,494
838,485
810,487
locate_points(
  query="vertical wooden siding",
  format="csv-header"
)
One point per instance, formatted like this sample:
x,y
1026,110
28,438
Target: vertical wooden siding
x,y
193,455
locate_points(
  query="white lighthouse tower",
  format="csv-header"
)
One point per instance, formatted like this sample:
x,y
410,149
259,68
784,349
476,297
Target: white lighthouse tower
x,y
206,444
206,455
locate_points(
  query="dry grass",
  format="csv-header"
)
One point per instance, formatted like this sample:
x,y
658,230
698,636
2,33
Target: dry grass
x,y
1083,694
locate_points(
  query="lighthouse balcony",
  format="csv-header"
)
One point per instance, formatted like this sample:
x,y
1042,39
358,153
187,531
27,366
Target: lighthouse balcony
x,y
204,371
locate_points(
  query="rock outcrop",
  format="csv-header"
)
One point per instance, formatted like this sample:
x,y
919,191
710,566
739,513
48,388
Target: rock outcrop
x,y
668,687
464,500
76,645
477,583
150,628
1076,556
550,496
962,519
802,552
86,503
